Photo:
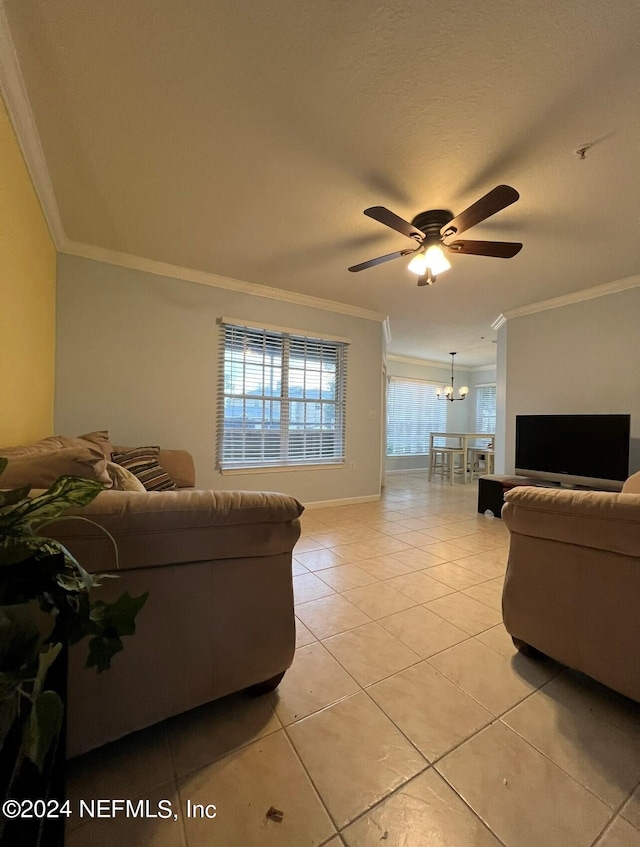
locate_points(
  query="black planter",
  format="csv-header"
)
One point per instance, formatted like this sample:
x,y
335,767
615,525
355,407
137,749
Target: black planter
x,y
23,782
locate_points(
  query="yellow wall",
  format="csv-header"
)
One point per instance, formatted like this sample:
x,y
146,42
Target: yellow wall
x,y
27,301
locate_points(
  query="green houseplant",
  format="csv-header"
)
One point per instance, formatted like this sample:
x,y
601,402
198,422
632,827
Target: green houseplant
x,y
45,605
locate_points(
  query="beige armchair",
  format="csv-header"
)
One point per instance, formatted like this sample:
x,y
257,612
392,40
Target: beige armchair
x,y
216,565
572,587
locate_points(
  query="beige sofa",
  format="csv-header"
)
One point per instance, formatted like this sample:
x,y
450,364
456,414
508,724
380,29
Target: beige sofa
x,y
572,587
219,618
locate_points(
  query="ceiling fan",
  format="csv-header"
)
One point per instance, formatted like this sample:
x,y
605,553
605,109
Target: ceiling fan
x,y
437,228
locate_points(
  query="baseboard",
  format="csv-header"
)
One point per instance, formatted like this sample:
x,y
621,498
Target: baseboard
x,y
407,470
346,501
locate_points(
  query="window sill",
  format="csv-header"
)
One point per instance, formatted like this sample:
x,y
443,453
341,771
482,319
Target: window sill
x,y
280,469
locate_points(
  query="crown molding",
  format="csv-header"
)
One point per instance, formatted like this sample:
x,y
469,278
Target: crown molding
x,y
138,263
386,328
15,96
412,360
14,93
568,299
499,321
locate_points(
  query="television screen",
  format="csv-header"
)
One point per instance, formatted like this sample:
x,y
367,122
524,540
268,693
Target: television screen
x,y
580,448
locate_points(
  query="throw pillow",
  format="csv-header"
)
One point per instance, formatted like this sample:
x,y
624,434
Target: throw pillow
x,y
45,445
40,470
122,479
143,463
55,442
101,440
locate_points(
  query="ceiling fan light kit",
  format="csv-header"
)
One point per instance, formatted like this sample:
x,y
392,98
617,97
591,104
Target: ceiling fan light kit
x,y
435,229
432,259
447,392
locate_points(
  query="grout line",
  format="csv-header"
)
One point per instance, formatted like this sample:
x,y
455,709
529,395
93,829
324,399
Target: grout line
x,y
399,508
471,809
183,825
313,785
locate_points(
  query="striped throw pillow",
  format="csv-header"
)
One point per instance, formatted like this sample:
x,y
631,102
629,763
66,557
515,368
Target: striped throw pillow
x,y
143,463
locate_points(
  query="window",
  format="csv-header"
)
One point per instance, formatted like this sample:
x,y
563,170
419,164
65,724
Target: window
x,y
281,398
486,408
413,413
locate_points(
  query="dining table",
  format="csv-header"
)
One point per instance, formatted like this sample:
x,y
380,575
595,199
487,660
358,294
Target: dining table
x,y
463,440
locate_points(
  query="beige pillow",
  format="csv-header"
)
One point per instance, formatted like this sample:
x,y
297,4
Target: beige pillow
x,y
122,479
40,470
98,439
101,440
45,445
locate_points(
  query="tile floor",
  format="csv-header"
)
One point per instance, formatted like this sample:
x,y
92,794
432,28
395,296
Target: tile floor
x,y
407,717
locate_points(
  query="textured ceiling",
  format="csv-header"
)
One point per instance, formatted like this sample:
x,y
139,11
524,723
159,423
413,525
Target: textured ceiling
x,y
246,138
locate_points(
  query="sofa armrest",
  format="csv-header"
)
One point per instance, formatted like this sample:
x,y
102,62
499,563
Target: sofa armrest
x,y
632,485
597,519
160,528
179,465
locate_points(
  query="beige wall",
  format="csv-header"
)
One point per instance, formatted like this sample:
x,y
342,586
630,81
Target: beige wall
x,y
27,301
138,354
583,358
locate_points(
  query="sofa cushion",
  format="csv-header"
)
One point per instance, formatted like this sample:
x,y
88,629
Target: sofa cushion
x,y
40,470
143,463
123,479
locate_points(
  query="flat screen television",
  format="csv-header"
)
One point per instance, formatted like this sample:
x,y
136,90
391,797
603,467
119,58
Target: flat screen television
x,y
589,450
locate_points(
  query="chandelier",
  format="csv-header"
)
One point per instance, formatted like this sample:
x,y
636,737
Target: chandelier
x,y
446,393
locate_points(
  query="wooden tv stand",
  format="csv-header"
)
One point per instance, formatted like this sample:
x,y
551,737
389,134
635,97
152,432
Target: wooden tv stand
x,y
493,487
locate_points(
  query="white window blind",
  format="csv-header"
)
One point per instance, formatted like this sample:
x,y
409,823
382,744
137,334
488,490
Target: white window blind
x,y
486,408
281,400
413,413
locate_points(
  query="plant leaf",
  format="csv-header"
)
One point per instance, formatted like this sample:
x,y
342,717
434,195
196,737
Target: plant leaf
x,y
19,646
45,659
101,651
9,498
73,622
65,492
18,547
43,727
8,714
120,615
112,620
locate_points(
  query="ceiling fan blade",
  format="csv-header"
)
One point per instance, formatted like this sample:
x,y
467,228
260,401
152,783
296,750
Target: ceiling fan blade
x,y
388,218
499,249
497,199
372,262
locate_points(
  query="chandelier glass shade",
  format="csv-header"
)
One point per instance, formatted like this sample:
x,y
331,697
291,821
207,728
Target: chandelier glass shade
x,y
447,392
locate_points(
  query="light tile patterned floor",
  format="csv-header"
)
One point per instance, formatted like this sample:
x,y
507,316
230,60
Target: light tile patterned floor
x,y
407,718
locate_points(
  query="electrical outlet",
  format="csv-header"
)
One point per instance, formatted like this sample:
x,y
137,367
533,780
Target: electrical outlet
x,y
352,466
372,415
